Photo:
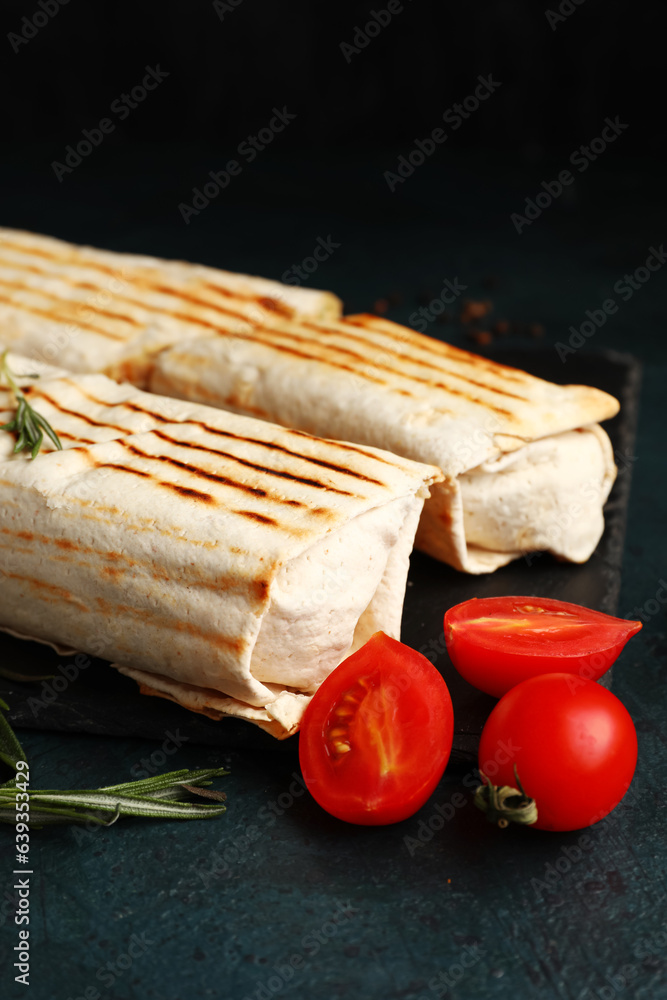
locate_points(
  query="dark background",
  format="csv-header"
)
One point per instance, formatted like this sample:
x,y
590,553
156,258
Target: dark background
x,y
222,934
229,68
324,175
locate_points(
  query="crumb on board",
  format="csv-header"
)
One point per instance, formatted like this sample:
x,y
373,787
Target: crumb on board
x,y
481,337
473,309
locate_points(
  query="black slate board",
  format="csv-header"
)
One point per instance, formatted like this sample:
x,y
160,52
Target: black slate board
x,y
99,700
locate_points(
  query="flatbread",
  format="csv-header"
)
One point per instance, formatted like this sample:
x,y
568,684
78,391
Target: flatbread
x,y
368,380
96,310
222,561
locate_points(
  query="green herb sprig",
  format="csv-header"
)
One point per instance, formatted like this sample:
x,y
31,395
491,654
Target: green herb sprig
x,y
166,796
28,425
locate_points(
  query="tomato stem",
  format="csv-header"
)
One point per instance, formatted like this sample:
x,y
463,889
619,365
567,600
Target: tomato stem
x,y
504,804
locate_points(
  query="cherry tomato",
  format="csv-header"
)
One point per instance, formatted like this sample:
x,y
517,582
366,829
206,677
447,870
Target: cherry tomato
x,y
377,735
573,743
497,642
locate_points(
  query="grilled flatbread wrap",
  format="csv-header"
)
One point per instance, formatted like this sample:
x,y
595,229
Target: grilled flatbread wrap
x,y
96,310
221,561
526,466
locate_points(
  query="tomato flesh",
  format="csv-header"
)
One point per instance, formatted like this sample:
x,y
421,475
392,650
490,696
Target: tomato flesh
x,y
377,735
573,743
497,642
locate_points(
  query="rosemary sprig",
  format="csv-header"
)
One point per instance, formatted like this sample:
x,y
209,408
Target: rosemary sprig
x,y
28,425
100,805
165,796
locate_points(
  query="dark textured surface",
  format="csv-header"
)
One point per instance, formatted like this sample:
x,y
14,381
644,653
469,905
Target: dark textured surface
x,y
225,904
102,701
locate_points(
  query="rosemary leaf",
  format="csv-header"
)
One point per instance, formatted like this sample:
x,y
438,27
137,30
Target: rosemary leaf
x,y
47,428
28,425
147,786
14,675
127,805
174,782
75,806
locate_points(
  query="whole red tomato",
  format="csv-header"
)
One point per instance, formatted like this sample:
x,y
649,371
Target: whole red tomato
x,y
377,735
572,742
497,642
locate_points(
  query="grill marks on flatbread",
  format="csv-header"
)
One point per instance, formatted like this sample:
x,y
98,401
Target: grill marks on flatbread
x,y
72,256
140,284
371,365
270,446
294,340
429,348
64,549
200,470
57,317
265,470
336,345
52,594
412,359
49,592
67,308
32,391
67,304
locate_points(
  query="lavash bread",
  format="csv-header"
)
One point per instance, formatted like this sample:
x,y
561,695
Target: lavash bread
x,y
96,310
526,467
221,561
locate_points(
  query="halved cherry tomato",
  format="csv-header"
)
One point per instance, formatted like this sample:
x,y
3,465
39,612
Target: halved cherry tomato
x,y
497,642
572,742
377,735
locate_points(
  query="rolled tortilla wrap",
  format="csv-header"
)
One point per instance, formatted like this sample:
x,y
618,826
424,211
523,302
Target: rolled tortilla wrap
x,y
525,465
97,310
221,561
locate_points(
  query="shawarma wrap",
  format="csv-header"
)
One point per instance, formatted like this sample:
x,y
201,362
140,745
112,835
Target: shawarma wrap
x,y
526,466
221,561
95,310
